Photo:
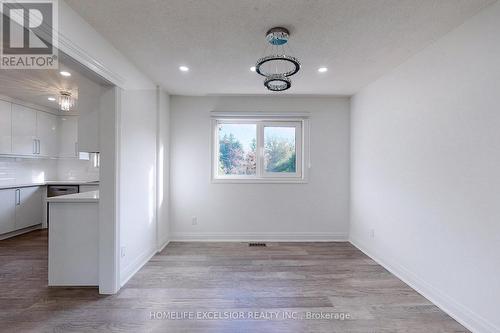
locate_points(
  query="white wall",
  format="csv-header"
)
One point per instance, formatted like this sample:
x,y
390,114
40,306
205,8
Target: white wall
x,y
426,171
137,179
163,168
318,210
128,129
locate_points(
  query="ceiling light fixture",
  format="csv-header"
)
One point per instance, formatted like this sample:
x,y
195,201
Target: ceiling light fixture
x,y
322,69
65,73
278,66
52,99
277,82
66,101
184,68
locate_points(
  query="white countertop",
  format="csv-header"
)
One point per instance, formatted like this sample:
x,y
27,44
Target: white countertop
x,y
92,196
72,182
4,187
51,182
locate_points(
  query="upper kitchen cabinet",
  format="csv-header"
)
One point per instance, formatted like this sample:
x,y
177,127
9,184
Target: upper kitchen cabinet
x,y
33,133
28,132
89,95
68,136
5,127
47,134
88,131
24,140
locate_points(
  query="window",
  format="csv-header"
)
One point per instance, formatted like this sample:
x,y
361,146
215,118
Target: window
x,y
258,150
237,147
280,151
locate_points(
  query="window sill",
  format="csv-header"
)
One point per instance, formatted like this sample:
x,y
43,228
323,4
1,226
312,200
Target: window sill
x,y
259,181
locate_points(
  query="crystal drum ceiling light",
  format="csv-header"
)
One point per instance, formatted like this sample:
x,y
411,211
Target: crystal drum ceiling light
x,y
277,82
66,101
278,66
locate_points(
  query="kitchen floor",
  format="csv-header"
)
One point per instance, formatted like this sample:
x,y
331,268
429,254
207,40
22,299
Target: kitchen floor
x,y
286,287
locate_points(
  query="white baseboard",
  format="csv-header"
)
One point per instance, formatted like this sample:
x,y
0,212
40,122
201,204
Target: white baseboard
x,y
129,271
457,311
259,236
20,232
163,246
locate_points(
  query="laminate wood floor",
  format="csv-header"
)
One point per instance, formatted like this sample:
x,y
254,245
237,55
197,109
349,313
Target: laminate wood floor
x,y
271,289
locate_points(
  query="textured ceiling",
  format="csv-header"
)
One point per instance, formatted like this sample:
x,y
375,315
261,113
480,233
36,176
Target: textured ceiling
x,y
358,40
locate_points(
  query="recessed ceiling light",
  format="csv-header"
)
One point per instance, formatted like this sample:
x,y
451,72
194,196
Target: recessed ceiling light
x,y
252,69
52,99
184,68
322,69
65,73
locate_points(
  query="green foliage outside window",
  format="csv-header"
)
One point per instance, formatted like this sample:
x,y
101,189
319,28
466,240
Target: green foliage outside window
x,y
280,156
232,158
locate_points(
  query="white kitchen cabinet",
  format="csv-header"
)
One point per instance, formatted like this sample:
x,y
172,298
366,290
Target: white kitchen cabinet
x,y
73,244
47,134
29,208
7,210
89,104
89,188
28,132
5,127
23,130
88,131
68,136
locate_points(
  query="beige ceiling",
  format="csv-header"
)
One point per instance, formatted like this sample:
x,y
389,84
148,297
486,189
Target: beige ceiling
x,y
358,40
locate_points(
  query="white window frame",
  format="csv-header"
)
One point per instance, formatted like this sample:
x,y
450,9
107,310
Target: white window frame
x,y
301,125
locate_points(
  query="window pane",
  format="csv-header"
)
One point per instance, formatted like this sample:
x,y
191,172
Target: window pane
x,y
279,149
237,146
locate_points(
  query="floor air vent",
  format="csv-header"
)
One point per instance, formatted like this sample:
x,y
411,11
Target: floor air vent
x,y
256,244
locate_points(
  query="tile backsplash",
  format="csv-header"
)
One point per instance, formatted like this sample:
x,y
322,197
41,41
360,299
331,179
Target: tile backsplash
x,y
74,169
15,171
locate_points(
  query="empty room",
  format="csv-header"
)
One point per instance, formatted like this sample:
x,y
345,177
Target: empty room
x,y
250,166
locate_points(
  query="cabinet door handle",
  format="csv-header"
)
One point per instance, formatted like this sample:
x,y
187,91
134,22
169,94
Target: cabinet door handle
x,y
18,197
34,146
76,149
38,145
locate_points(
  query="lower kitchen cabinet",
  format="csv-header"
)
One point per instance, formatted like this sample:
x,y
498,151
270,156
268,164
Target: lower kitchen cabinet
x,y
7,210
29,210
20,208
